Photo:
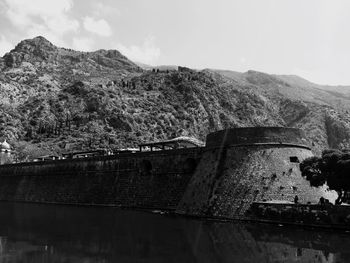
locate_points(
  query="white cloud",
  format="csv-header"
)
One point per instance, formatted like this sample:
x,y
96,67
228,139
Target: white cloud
x,y
100,9
148,52
42,17
5,46
99,27
83,44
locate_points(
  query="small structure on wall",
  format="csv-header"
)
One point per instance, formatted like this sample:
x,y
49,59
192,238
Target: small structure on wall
x,y
176,143
6,153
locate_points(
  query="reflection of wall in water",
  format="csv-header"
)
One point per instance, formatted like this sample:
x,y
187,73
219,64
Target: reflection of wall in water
x,y
128,236
243,243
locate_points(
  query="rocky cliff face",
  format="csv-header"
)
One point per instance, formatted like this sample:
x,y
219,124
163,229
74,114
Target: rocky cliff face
x,y
54,99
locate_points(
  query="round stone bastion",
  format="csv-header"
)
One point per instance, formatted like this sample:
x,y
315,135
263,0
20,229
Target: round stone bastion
x,y
241,166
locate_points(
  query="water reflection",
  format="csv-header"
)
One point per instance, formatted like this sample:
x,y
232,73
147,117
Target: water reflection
x,y
41,233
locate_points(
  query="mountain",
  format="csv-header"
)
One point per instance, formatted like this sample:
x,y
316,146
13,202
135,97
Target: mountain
x,y
338,91
293,87
54,100
322,113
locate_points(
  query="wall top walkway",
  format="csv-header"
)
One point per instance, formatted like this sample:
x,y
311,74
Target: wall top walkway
x,y
256,135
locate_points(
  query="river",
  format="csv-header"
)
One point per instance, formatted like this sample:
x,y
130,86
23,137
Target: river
x,y
50,233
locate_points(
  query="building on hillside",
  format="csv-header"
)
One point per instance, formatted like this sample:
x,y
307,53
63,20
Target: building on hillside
x,y
6,153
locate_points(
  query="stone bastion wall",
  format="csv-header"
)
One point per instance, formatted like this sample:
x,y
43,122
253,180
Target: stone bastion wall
x,y
246,165
235,169
144,180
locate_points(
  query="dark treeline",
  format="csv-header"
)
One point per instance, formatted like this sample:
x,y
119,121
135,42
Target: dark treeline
x,y
333,168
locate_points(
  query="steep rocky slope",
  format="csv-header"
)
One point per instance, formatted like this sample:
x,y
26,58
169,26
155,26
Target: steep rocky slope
x,y
55,100
321,113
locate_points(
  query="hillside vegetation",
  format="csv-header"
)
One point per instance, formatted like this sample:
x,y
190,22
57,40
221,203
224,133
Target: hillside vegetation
x,y
55,100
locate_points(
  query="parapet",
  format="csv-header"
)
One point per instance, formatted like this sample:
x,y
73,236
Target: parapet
x,y
256,135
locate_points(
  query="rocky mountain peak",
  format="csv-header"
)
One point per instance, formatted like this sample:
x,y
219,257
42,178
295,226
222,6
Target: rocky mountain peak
x,y
38,46
42,53
36,42
36,49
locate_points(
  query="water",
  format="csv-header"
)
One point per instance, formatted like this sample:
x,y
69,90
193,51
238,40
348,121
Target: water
x,y
47,233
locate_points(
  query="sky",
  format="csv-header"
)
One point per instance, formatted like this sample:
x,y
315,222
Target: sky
x,y
308,38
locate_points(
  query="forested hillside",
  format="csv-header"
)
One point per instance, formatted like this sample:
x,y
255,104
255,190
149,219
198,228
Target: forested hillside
x,y
55,100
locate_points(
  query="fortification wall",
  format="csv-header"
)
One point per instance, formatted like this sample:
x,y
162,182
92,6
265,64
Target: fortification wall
x,y
147,180
228,180
236,168
231,177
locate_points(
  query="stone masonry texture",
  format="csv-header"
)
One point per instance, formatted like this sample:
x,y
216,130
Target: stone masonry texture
x,y
236,169
145,180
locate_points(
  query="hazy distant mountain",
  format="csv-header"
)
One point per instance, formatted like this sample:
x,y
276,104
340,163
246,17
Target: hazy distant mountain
x,y
338,91
54,99
294,87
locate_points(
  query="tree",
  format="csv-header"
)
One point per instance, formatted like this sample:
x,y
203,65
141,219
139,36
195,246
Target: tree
x,y
332,168
95,134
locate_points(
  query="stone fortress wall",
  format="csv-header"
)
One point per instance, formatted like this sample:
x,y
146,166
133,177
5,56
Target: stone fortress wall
x,y
150,180
246,165
235,169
